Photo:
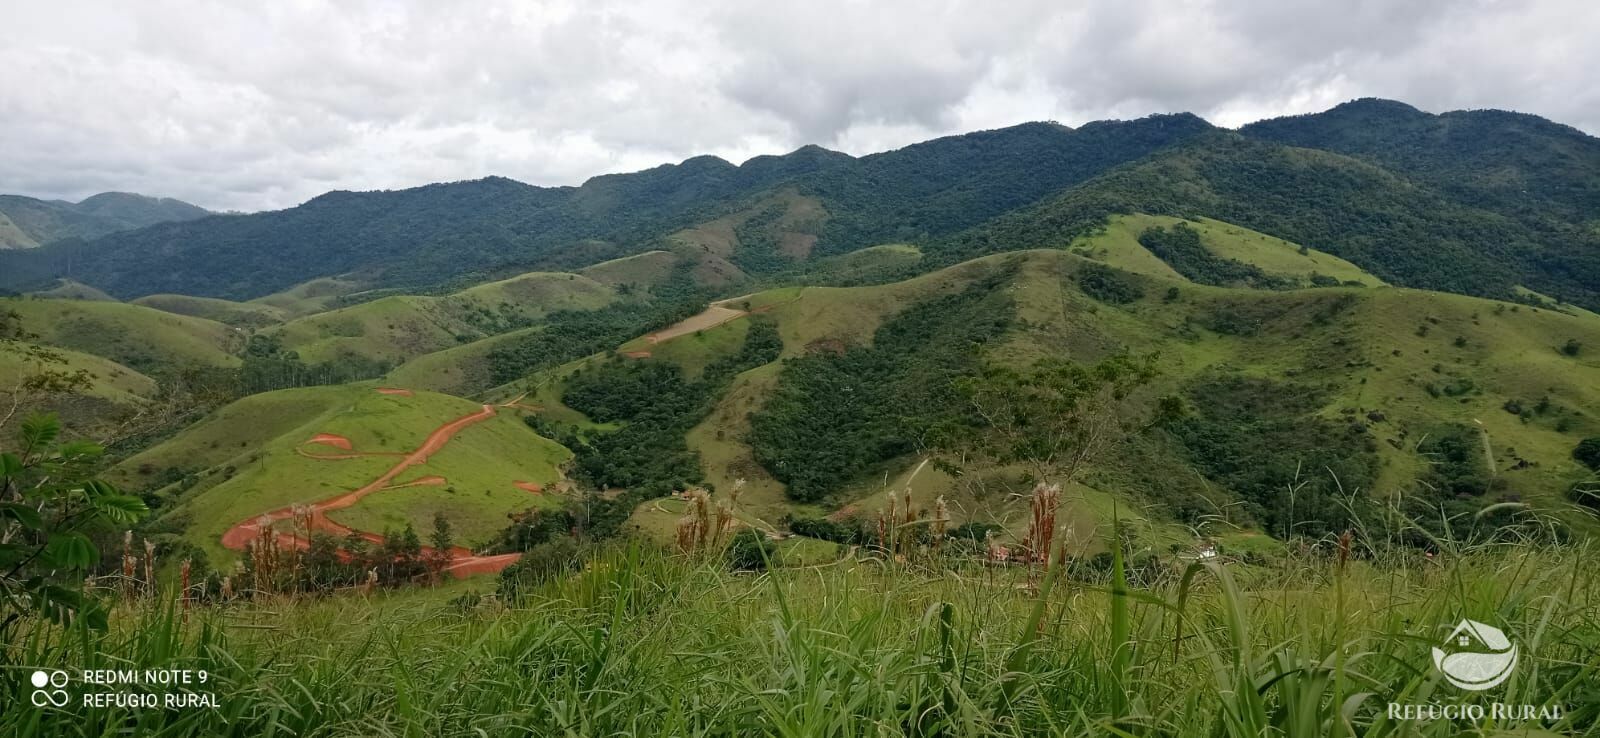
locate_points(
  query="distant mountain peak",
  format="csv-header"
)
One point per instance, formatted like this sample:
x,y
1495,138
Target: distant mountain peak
x,y
26,222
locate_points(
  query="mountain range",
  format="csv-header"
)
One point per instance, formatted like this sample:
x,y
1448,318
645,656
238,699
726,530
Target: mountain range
x,y
803,328
1478,202
26,222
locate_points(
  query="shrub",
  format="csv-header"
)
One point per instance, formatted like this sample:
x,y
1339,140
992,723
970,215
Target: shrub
x,y
1108,285
750,551
543,563
1587,452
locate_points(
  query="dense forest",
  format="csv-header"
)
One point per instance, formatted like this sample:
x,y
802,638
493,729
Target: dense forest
x,y
839,411
1471,202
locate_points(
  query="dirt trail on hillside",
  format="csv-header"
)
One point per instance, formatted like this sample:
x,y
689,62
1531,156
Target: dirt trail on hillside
x,y
712,317
462,561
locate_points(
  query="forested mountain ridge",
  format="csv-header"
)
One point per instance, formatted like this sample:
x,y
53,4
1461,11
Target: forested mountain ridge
x,y
496,226
1395,226
26,222
1474,202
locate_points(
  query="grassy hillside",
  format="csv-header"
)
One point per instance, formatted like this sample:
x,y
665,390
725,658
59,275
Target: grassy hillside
x,y
459,370
251,457
393,329
1296,648
1386,223
869,265
1118,245
1377,372
309,297
139,337
67,289
641,271
112,394
244,314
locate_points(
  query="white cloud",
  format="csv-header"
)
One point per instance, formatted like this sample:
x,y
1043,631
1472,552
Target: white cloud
x,y
251,106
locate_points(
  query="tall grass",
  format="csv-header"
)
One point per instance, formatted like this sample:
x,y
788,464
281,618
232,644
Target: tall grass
x,y
641,643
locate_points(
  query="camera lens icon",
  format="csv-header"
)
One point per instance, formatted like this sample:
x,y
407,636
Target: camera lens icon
x,y
48,688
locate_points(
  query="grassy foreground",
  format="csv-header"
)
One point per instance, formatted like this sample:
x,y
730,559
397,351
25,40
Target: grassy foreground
x,y
640,644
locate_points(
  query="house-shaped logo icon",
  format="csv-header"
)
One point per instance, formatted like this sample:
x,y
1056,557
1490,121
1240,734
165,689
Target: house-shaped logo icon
x,y
1478,657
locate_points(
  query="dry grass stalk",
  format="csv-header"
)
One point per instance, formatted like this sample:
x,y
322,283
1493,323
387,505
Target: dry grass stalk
x,y
941,520
149,566
183,589
128,564
1041,534
706,523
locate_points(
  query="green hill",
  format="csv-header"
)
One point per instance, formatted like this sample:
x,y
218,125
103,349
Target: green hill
x,y
393,329
1391,226
243,314
251,457
459,370
67,289
139,337
645,270
313,296
1357,379
1118,245
113,393
26,222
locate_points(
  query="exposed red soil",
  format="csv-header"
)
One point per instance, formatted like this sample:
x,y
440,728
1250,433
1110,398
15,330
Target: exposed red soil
x,y
462,561
533,487
331,440
394,391
351,455
636,354
428,481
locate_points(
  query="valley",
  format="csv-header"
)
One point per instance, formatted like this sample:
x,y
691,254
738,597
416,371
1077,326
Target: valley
x,y
1246,410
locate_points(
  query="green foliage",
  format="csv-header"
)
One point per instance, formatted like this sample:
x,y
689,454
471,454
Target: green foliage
x,y
1572,347
1181,249
573,334
833,416
49,504
1587,452
43,221
1109,285
847,532
1457,467
540,564
1299,474
1521,175
1055,418
750,550
655,406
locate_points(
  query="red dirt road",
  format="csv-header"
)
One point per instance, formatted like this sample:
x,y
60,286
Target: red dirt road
x,y
331,440
394,391
462,561
533,487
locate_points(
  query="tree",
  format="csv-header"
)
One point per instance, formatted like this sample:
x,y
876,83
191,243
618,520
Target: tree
x,y
440,542
49,498
1059,416
1588,453
1572,347
47,374
750,550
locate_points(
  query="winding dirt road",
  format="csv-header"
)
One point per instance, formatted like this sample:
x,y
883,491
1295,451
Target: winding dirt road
x,y
462,561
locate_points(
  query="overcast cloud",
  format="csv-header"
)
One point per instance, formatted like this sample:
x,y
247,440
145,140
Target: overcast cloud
x,y
262,105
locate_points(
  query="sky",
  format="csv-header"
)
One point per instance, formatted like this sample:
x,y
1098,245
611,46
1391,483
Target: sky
x,y
251,106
